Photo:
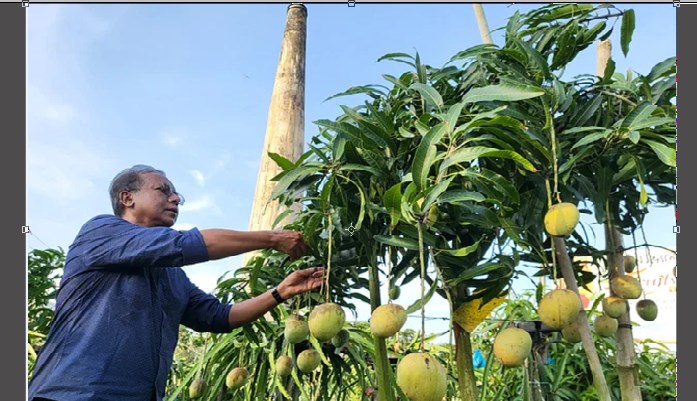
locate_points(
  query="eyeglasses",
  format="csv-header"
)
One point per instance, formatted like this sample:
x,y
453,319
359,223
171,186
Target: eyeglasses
x,y
167,191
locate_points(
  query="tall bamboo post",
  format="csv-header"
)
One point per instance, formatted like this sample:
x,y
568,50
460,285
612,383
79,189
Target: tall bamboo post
x,y
482,24
285,126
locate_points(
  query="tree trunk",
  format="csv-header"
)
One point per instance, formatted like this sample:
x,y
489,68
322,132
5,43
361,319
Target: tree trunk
x,y
586,337
626,368
285,126
482,24
463,360
382,364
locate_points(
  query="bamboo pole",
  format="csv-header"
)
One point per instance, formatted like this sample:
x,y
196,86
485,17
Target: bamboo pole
x,y
285,126
482,23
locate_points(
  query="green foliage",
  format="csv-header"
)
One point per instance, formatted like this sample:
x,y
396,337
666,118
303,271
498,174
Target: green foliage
x,y
456,165
45,269
566,375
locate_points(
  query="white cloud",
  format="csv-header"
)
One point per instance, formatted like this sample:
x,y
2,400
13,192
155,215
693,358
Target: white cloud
x,y
198,176
45,109
204,203
173,136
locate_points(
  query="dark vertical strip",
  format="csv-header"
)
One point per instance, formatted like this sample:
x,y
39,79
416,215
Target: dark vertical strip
x,y
12,169
687,78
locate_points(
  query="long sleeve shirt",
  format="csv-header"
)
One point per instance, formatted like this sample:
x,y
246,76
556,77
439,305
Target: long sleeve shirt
x,y
120,302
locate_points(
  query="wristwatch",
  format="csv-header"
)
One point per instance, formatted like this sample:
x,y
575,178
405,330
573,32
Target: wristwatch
x,y
277,296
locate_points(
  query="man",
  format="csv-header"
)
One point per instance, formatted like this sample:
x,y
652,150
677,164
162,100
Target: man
x,y
123,294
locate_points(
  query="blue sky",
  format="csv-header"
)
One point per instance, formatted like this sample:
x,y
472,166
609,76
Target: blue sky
x,y
186,88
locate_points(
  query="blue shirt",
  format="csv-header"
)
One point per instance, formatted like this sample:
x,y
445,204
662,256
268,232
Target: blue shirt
x,y
118,310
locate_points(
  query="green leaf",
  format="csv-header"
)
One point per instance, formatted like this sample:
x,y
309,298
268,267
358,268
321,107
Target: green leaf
x,y
291,176
434,193
609,70
361,167
398,57
537,60
643,195
369,90
422,301
634,136
664,68
566,11
452,116
461,252
420,69
282,162
589,109
471,153
426,154
665,153
429,94
393,240
474,51
469,274
506,93
592,138
393,203
627,30
457,196
637,116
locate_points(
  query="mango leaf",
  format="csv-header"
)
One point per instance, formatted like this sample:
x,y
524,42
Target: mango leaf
x,y
452,116
370,90
370,130
469,274
505,93
626,30
643,195
665,67
425,155
584,114
637,116
291,176
318,347
338,147
537,60
472,313
422,301
398,57
664,153
634,136
392,200
474,51
361,167
393,240
592,138
457,196
430,95
474,152
461,252
282,162
434,193
652,122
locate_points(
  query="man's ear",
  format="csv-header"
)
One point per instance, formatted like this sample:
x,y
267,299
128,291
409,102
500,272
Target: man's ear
x,y
126,198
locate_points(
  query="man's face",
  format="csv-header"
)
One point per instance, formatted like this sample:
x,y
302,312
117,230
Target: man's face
x,y
156,203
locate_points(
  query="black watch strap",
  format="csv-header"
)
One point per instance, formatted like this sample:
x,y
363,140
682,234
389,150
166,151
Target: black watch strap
x,y
277,296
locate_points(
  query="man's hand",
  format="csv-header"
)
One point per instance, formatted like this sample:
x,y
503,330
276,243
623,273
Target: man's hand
x,y
301,281
291,243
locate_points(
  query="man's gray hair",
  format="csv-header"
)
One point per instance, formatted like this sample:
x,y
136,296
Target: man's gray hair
x,y
128,180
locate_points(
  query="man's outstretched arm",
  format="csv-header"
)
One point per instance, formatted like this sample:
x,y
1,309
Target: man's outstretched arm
x,y
222,243
298,282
